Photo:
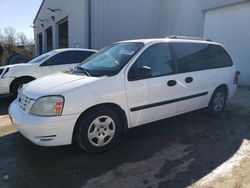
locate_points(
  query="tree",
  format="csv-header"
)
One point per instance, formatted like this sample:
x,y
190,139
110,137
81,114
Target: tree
x,y
10,36
1,37
22,39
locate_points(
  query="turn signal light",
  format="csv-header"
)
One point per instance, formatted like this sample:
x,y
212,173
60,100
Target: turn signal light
x,y
58,107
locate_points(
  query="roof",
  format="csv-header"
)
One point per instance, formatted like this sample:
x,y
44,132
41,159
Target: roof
x,y
38,11
169,39
75,49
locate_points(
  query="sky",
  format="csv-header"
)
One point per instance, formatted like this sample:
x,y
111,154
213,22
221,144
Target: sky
x,y
19,14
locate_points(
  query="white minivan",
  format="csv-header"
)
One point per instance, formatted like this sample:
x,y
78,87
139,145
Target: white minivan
x,y
13,76
124,85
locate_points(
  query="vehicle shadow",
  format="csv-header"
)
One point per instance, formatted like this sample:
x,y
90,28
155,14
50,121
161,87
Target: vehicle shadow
x,y
4,104
174,152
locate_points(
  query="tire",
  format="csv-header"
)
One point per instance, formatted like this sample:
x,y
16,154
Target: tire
x,y
16,84
98,130
217,102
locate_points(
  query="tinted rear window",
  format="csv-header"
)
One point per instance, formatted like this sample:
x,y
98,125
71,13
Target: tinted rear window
x,y
195,57
74,57
80,56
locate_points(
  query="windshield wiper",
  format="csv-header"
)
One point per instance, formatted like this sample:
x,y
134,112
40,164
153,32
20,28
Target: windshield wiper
x,y
85,71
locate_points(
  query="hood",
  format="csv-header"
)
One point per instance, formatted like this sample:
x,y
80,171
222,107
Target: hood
x,y
56,84
15,65
17,69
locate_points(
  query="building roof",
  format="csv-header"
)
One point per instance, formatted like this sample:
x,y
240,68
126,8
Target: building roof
x,y
38,11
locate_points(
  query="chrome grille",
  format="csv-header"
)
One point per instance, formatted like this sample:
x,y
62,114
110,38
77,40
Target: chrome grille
x,y
23,101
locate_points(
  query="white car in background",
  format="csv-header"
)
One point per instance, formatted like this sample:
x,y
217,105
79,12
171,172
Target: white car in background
x,y
13,76
124,85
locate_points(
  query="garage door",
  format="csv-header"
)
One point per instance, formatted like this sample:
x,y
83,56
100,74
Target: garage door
x,y
231,26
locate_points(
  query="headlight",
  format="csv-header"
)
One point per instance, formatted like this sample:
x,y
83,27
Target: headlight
x,y
48,106
5,72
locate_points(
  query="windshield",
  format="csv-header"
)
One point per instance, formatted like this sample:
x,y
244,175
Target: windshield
x,y
41,57
111,59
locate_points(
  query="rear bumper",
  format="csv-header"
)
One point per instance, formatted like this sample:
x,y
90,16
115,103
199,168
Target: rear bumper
x,y
43,131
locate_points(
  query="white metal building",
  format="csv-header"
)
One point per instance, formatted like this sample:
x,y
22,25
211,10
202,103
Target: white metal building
x,y
96,23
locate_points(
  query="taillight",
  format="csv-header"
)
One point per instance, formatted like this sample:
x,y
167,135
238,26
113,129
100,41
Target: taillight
x,y
236,77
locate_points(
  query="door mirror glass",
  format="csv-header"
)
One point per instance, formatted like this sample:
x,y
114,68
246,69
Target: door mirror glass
x,y
140,73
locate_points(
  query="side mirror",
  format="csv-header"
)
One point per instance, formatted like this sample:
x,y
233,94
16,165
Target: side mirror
x,y
140,73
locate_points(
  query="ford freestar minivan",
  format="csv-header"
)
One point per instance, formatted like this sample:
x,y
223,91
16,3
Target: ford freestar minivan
x,y
124,85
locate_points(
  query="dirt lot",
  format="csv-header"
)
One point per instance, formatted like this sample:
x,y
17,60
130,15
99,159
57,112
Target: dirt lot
x,y
189,150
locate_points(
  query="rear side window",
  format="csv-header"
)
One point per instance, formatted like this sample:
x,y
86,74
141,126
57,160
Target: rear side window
x,y
194,57
73,57
80,56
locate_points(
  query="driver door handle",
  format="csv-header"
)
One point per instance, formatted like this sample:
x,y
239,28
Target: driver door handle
x,y
189,80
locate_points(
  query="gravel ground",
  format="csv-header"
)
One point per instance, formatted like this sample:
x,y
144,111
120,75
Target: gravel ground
x,y
191,150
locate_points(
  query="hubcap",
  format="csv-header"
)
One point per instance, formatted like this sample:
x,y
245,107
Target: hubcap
x,y
219,101
101,131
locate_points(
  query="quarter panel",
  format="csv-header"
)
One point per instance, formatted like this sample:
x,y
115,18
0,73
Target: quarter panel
x,y
104,90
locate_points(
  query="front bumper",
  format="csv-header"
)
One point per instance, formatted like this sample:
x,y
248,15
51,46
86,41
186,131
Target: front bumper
x,y
43,131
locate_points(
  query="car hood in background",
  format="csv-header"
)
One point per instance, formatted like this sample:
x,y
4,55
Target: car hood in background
x,y
15,65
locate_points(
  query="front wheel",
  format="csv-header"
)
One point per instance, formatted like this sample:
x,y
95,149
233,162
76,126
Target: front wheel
x,y
217,102
17,84
98,130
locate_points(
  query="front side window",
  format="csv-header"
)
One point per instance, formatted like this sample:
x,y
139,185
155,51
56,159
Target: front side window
x,y
111,59
41,58
55,60
157,58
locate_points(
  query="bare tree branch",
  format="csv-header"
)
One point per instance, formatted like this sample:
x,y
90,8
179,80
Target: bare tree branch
x,y
10,36
22,39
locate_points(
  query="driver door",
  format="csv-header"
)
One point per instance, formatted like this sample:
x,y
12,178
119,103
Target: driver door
x,y
153,97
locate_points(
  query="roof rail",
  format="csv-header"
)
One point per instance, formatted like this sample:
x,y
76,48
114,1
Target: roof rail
x,y
188,37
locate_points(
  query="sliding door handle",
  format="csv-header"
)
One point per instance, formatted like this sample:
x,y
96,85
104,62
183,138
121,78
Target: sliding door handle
x,y
172,83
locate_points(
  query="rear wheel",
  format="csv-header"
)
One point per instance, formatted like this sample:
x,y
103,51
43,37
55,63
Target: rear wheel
x,y
98,130
217,102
